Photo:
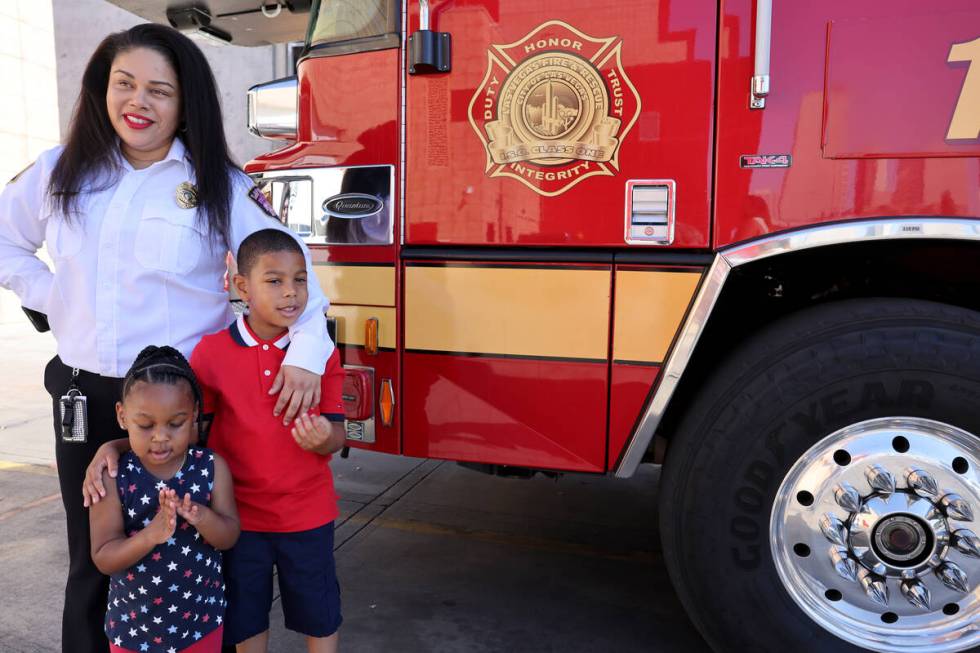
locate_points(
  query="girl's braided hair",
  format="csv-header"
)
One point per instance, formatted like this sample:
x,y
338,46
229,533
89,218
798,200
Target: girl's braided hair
x,y
165,365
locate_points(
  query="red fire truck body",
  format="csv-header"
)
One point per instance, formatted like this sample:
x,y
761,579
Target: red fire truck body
x,y
572,236
550,362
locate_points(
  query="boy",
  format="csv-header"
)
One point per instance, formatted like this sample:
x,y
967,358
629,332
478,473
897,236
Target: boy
x,y
282,481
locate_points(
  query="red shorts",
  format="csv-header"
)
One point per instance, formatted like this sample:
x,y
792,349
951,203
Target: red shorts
x,y
210,643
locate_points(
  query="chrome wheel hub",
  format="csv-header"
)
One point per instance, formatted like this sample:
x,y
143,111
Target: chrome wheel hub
x,y
872,535
899,536
900,540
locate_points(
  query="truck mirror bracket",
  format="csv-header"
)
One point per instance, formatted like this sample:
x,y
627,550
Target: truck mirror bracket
x,y
429,52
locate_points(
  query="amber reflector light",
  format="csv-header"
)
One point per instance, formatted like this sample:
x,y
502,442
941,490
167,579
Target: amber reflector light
x,y
387,402
371,336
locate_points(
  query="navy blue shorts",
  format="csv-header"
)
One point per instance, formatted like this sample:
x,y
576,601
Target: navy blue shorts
x,y
307,583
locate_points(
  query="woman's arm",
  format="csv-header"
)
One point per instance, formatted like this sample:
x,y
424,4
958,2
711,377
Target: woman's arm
x,y
112,551
218,524
22,233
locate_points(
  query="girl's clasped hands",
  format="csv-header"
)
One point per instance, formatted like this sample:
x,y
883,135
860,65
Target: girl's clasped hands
x,y
164,523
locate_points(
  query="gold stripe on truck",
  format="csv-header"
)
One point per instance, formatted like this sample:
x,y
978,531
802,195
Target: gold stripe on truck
x,y
357,284
351,319
550,312
650,306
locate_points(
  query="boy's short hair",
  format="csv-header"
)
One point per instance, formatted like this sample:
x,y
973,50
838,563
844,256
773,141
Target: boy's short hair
x,y
264,241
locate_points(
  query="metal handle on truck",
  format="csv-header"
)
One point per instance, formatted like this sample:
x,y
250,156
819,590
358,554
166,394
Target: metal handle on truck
x,y
763,40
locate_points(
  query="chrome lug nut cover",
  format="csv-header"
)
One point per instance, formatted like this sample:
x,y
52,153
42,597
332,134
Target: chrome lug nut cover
x,y
953,577
847,497
880,479
844,564
957,507
916,593
922,484
834,529
875,587
894,522
967,543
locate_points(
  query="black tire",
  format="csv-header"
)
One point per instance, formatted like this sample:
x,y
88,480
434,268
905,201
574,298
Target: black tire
x,y
792,384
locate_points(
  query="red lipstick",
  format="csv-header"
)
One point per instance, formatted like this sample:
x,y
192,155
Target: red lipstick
x,y
136,121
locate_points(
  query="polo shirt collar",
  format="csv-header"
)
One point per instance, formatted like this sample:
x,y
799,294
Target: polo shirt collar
x,y
243,335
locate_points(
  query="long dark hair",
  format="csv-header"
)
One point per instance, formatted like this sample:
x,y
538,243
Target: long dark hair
x,y
90,151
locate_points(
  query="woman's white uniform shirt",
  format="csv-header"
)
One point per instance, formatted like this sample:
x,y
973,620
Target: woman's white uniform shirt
x,y
133,268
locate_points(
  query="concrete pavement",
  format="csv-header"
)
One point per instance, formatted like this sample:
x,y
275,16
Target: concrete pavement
x,y
25,408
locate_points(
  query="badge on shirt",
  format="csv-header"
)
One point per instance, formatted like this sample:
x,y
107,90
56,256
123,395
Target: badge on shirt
x,y
186,195
260,198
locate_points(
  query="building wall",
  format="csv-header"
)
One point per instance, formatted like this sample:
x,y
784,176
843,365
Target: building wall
x,y
29,92
28,98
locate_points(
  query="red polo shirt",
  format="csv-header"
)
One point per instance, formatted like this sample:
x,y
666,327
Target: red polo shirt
x,y
279,487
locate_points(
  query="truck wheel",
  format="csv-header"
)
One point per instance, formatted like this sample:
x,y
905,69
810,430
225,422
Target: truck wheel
x,y
822,493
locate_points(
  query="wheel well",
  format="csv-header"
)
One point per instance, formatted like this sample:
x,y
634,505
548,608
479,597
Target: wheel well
x,y
756,294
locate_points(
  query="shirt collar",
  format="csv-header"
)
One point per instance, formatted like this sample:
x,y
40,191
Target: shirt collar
x,y
177,152
243,335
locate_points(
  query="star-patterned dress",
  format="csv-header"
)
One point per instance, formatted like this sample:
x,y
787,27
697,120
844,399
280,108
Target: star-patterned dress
x,y
175,595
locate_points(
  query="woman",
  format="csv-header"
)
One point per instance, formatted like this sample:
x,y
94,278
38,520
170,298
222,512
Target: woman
x,y
137,210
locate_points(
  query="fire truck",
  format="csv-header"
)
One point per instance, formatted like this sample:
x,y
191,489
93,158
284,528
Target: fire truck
x,y
736,238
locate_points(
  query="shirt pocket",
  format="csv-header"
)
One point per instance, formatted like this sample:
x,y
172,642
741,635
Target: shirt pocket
x,y
62,239
168,238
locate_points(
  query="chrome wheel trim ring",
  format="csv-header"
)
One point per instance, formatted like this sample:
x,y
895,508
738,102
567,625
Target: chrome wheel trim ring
x,y
817,534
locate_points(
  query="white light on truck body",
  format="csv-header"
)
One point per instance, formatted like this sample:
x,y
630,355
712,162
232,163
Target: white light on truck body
x,y
650,211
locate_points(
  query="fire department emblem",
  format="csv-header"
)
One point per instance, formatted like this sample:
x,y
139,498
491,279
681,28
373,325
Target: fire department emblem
x,y
554,108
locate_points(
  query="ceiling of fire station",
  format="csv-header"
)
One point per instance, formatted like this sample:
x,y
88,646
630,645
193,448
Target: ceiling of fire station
x,y
241,21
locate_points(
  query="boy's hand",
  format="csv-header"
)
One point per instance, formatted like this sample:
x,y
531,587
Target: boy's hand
x,y
190,510
312,433
164,523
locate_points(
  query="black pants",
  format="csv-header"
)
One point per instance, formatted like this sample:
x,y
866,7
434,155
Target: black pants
x,y
82,624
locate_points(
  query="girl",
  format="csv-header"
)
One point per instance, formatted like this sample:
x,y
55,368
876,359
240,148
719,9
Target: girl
x,y
168,513
137,211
